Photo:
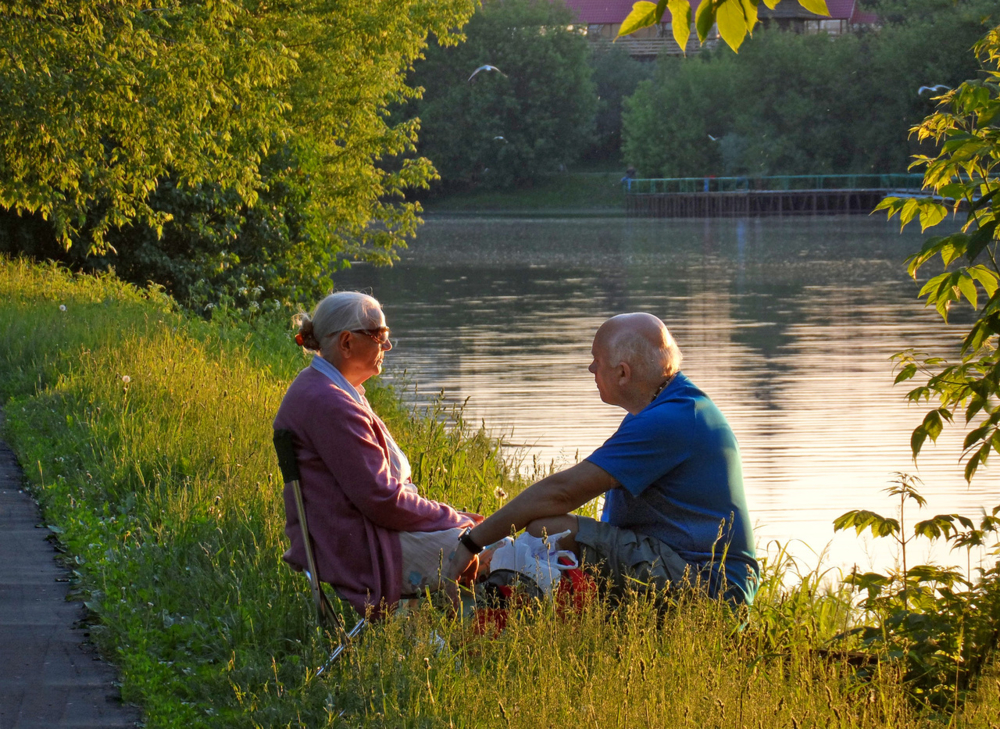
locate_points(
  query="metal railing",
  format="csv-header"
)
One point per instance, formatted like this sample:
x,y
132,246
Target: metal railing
x,y
902,181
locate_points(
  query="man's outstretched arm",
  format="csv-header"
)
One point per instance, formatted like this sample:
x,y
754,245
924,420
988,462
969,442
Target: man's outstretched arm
x,y
554,495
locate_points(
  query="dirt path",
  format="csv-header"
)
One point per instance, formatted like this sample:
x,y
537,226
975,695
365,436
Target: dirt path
x,y
50,675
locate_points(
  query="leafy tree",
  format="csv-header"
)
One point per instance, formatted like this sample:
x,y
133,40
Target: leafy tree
x,y
616,76
533,114
963,177
237,100
670,121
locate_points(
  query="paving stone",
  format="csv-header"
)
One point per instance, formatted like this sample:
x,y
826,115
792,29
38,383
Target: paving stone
x,y
49,674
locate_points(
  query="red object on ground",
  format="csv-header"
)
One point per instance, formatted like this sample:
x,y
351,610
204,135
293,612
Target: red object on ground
x,y
576,590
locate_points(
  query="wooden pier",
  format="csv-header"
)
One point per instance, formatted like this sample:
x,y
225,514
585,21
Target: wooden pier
x,y
756,197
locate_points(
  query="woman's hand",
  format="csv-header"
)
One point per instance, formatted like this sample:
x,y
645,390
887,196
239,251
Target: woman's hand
x,y
461,568
476,519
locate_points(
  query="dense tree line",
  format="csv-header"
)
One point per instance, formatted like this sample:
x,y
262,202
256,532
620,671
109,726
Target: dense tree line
x,y
804,104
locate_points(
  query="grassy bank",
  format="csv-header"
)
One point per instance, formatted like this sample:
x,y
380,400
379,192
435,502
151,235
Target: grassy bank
x,y
573,193
146,437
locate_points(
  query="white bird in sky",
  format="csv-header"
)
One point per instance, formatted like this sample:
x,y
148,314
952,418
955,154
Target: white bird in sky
x,y
714,139
487,67
498,137
937,87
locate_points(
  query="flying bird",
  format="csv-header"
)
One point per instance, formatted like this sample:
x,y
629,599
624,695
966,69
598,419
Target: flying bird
x,y
938,87
499,138
487,67
714,139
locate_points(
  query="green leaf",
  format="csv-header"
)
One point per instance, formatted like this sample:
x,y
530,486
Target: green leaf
x,y
986,278
815,6
933,425
967,285
750,14
980,239
906,373
732,22
680,21
917,440
704,19
910,209
931,215
954,191
643,15
860,520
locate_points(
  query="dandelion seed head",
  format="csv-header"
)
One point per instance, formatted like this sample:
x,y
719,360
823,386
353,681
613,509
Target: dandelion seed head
x,y
126,379
499,493
62,307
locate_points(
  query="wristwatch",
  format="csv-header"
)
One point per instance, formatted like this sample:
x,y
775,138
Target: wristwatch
x,y
466,540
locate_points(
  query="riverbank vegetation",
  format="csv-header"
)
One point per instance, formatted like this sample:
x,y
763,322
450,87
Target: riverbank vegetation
x,y
145,435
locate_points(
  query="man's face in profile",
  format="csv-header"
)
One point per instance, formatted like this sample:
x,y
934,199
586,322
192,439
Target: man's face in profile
x,y
604,373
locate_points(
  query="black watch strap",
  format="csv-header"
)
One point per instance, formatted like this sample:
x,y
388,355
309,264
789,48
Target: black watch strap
x,y
466,540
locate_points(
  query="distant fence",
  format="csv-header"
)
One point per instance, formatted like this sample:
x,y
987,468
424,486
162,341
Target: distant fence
x,y
903,181
682,197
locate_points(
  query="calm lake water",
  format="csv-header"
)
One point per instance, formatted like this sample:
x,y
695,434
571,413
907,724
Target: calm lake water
x,y
788,324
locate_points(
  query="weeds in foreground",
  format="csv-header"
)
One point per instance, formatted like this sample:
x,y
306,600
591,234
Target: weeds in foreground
x,y
146,437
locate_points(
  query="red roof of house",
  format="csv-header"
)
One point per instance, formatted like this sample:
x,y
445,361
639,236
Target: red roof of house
x,y
615,11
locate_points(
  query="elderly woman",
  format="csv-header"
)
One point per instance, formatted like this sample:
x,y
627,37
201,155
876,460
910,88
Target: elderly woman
x,y
376,539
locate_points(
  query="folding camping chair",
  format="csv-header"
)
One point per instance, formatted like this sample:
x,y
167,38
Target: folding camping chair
x,y
325,614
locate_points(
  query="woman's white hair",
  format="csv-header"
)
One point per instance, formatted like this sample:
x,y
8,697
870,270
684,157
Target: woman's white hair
x,y
338,312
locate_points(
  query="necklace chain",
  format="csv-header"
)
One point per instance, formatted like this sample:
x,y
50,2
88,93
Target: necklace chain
x,y
660,388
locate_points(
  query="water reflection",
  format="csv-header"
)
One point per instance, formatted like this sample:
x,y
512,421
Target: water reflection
x,y
787,324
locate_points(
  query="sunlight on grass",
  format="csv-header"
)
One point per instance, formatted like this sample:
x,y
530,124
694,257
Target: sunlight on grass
x,y
146,436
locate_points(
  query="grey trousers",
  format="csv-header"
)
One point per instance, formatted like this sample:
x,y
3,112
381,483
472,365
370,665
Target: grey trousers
x,y
630,561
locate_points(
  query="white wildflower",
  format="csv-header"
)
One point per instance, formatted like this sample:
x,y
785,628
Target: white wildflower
x,y
254,306
258,290
499,493
62,307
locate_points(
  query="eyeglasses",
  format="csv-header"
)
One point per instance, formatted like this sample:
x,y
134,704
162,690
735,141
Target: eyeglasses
x,y
380,336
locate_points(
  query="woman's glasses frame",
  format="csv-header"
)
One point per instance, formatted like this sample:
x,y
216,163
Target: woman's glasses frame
x,y
380,336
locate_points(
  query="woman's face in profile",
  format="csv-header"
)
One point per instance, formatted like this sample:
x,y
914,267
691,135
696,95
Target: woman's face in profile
x,y
371,351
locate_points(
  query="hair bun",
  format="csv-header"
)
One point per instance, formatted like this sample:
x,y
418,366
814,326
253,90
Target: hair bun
x,y
306,337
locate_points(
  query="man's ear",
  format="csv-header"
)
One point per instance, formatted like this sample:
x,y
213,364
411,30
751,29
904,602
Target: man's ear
x,y
624,373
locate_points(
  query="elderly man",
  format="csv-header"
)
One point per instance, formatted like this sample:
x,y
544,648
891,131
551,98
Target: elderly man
x,y
674,508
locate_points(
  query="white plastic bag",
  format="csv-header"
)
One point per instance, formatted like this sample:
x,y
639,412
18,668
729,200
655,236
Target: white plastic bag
x,y
536,559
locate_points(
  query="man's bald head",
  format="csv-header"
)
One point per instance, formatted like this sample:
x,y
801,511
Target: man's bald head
x,y
642,341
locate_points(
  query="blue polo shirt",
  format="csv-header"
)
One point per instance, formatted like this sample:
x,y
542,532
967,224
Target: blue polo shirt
x,y
681,479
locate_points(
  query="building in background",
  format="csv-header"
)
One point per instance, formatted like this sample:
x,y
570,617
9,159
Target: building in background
x,y
603,18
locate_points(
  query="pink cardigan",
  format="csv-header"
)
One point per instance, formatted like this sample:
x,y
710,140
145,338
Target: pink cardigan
x,y
355,508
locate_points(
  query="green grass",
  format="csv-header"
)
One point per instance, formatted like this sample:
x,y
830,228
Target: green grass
x,y
166,495
594,193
